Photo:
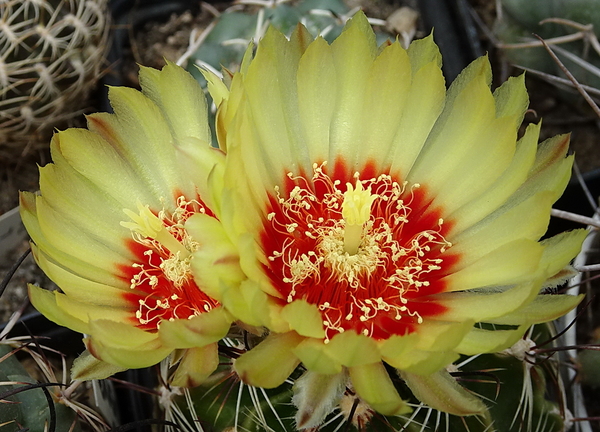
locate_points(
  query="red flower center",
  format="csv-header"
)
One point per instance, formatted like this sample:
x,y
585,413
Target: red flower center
x,y
368,257
160,278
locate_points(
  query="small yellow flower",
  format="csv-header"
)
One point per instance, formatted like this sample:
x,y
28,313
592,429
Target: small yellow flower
x,y
118,218
380,217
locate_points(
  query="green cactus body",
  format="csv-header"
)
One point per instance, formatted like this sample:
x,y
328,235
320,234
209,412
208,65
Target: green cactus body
x,y
523,18
521,388
29,408
51,55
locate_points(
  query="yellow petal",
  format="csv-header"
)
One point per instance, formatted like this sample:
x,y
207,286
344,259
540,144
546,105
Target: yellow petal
x,y
481,167
28,212
512,98
70,239
560,250
505,185
510,263
441,336
504,227
317,92
422,52
425,102
484,305
79,288
396,346
140,132
45,302
468,114
551,170
204,166
386,100
247,302
119,335
276,128
180,100
216,261
72,196
217,88
79,147
353,54
422,362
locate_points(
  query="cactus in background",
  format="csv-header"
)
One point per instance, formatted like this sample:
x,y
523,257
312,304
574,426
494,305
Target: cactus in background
x,y
30,408
224,43
52,53
35,394
570,26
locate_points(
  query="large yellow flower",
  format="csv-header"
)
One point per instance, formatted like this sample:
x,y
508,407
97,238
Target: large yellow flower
x,y
114,226
380,217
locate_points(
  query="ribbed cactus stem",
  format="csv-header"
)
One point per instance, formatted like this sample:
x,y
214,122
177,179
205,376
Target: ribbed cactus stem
x,y
52,53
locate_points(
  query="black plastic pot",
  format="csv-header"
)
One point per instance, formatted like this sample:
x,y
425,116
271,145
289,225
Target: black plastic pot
x,y
454,31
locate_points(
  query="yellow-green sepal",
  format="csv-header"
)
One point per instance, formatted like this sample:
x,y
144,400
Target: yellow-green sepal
x,y
316,358
352,349
316,395
544,308
304,318
45,302
198,331
196,365
422,362
440,391
180,99
126,358
271,362
479,341
374,385
124,345
87,367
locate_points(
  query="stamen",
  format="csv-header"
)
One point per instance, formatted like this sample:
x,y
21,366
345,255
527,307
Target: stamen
x,y
358,255
148,225
161,279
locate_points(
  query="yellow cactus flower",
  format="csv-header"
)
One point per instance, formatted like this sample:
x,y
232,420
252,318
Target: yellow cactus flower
x,y
115,223
381,218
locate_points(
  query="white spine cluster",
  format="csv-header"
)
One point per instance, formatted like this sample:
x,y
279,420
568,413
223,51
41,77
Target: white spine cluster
x,y
51,55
